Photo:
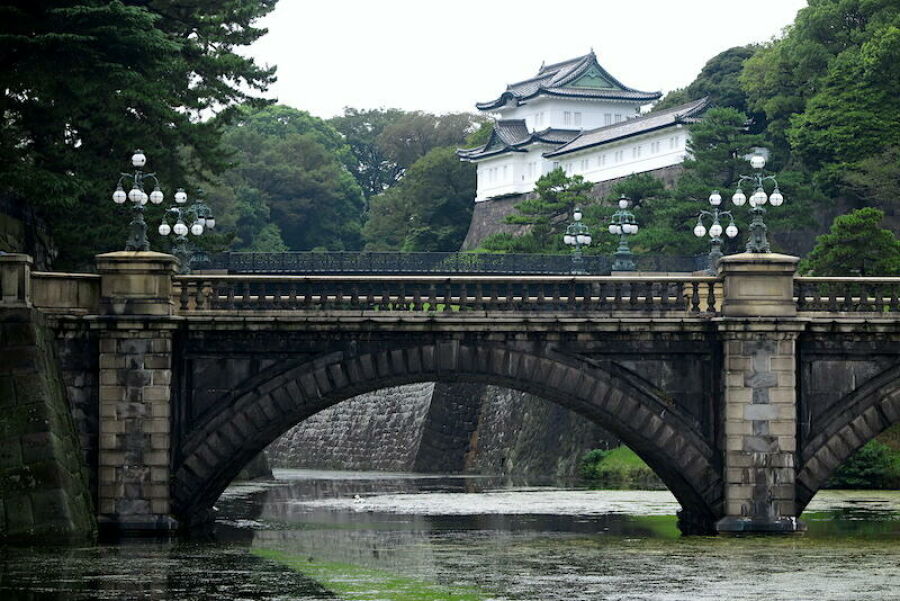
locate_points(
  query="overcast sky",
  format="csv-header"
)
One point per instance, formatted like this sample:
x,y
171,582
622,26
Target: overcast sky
x,y
444,56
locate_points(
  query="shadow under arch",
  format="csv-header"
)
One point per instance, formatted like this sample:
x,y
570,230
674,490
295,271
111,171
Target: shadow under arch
x,y
853,421
287,393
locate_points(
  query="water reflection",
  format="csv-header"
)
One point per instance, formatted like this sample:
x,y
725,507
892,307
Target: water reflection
x,y
324,535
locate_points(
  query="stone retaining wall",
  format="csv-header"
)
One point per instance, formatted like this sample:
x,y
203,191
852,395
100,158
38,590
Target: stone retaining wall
x,y
43,488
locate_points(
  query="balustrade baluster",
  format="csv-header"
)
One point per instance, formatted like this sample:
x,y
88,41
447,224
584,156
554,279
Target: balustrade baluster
x,y
202,298
664,296
617,296
184,299
879,298
895,303
463,297
402,305
633,297
541,297
572,301
695,297
448,297
649,293
848,298
711,297
556,295
432,297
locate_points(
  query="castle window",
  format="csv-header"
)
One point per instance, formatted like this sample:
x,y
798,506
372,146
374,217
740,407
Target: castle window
x,y
577,119
607,119
567,118
618,118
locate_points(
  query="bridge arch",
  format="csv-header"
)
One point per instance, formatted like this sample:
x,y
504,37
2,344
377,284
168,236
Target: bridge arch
x,y
289,392
855,420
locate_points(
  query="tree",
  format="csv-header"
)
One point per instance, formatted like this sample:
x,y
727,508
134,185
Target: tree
x,y
719,80
855,246
386,142
373,171
428,210
162,75
829,87
556,195
290,172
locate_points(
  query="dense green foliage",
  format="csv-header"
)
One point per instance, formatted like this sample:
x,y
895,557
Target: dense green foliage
x,y
875,465
617,468
387,142
428,210
290,187
719,80
547,213
855,246
830,88
84,82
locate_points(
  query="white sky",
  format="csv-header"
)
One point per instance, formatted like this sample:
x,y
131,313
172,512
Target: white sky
x,y
443,57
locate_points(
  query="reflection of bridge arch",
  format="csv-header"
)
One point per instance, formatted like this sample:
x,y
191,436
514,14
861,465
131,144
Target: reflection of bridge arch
x,y
858,418
292,390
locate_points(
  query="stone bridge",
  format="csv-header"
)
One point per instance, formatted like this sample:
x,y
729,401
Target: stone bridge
x,y
743,391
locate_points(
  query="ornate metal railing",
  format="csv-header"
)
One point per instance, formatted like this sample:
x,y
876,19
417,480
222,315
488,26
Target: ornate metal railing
x,y
435,263
848,295
692,295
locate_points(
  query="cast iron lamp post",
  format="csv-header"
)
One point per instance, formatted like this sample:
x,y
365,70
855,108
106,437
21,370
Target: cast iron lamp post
x,y
715,230
757,242
137,239
623,224
199,215
577,235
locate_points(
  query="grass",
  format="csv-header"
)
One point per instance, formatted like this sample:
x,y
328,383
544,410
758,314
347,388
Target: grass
x,y
350,581
618,468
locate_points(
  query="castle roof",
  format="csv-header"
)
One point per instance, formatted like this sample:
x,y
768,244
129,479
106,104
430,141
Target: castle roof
x,y
580,77
682,114
512,135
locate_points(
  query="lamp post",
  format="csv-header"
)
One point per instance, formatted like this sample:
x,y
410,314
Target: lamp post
x,y
577,235
715,230
137,238
757,243
200,217
623,224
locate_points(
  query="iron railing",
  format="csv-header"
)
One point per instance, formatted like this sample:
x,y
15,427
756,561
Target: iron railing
x,y
847,295
435,263
691,295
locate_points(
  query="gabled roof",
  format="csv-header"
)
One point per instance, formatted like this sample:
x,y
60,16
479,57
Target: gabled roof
x,y
685,113
580,77
512,135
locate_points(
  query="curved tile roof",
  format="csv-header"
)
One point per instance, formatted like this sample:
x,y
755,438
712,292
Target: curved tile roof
x,y
557,80
511,135
685,113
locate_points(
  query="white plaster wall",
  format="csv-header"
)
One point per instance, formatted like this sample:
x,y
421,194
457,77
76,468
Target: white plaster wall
x,y
595,165
542,113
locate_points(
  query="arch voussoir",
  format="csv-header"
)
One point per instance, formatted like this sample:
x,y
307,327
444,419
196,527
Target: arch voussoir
x,y
857,418
685,461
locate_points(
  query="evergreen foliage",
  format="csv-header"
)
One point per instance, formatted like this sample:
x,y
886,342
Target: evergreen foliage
x,y
290,188
855,246
428,210
386,142
873,466
85,82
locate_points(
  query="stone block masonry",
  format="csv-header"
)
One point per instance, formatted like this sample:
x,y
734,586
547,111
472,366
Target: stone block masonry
x,y
134,442
44,496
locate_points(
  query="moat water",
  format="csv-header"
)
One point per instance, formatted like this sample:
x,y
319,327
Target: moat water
x,y
406,537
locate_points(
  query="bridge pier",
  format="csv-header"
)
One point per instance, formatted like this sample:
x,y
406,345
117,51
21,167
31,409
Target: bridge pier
x,y
759,334
135,392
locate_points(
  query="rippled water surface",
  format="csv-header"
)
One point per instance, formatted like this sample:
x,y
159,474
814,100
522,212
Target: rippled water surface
x,y
364,536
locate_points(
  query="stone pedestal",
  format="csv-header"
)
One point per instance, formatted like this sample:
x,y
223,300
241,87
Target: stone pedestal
x,y
760,413
136,283
15,280
135,392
